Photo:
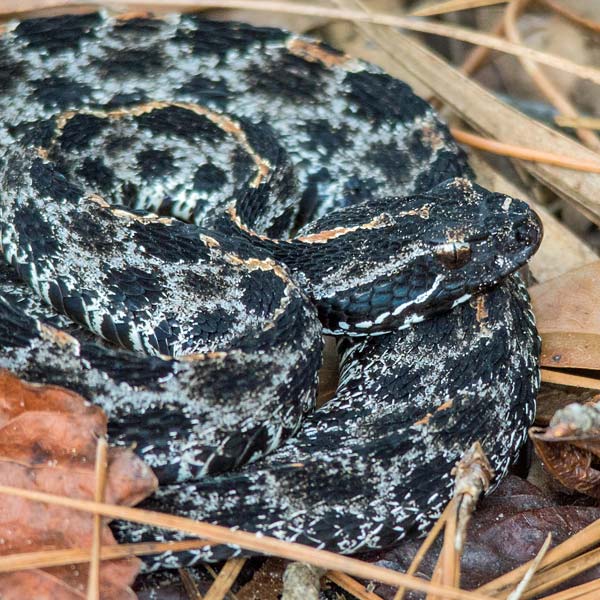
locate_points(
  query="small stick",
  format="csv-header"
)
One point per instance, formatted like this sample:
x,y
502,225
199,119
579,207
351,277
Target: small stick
x,y
58,558
579,121
552,577
225,579
523,153
351,585
450,554
453,6
191,589
93,591
425,546
550,376
250,541
473,474
445,566
585,591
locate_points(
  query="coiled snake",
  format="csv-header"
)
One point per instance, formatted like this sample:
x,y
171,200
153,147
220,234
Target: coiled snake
x,y
152,172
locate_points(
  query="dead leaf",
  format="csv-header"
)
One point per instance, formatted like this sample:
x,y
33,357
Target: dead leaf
x,y
570,446
552,398
48,438
507,530
568,319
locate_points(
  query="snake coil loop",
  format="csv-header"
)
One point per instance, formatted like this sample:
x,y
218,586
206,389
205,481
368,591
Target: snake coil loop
x,y
154,174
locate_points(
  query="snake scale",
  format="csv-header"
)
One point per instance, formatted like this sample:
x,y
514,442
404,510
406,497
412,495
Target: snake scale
x,y
209,198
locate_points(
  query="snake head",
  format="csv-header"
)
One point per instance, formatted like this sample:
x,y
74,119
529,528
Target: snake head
x,y
397,261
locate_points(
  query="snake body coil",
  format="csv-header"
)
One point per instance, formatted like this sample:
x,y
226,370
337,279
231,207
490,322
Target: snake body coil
x,y
151,175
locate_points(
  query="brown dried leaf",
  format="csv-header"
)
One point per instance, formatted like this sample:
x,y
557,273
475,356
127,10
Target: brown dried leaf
x,y
569,445
48,438
552,398
568,319
507,530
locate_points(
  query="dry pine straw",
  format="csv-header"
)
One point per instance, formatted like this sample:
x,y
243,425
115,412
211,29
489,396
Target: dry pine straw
x,y
261,544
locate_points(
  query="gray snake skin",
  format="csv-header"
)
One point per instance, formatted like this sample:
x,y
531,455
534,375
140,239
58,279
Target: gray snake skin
x,y
209,198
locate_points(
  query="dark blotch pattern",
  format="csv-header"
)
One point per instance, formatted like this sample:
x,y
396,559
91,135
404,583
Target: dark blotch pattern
x,y
289,76
175,121
97,174
130,62
153,163
209,178
392,161
47,181
214,37
323,137
11,71
58,33
38,133
60,92
36,233
80,131
380,97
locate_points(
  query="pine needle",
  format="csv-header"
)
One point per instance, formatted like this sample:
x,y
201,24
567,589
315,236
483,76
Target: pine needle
x,y
250,541
93,590
522,153
463,34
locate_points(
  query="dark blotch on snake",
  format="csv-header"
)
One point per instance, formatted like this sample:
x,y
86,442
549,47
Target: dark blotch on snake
x,y
60,92
206,91
174,121
55,34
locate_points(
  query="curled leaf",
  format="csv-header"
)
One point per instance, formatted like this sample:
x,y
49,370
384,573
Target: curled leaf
x,y
569,445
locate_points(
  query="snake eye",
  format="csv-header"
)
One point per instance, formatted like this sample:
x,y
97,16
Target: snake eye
x,y
453,255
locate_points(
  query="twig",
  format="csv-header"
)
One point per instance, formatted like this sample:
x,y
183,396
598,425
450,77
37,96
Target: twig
x,y
249,541
540,80
424,26
445,570
93,591
562,10
479,55
550,376
57,558
473,474
351,585
585,591
552,577
442,8
425,546
587,122
225,579
528,154
516,595
191,589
